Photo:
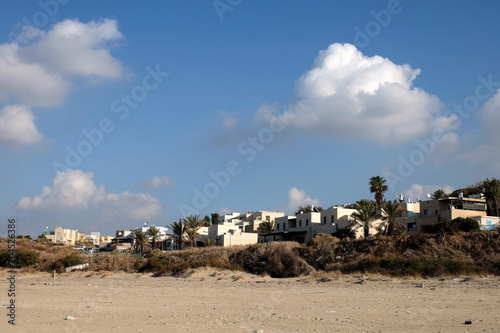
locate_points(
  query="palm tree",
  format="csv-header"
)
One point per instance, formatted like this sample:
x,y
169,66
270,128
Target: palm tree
x,y
377,186
391,211
266,227
179,230
141,241
154,232
192,225
438,194
492,192
365,214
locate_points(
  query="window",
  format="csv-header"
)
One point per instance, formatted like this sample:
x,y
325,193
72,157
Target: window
x,y
307,221
300,223
324,220
268,218
333,218
427,212
277,227
412,226
436,212
284,225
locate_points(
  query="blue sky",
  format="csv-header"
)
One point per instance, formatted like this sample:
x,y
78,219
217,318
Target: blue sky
x,y
283,103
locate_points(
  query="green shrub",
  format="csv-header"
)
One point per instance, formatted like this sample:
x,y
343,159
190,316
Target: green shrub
x,y
456,225
345,233
70,260
23,258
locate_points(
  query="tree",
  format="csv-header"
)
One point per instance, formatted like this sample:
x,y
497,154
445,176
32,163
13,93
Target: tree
x,y
154,232
307,209
207,220
391,211
377,186
438,194
492,193
346,232
215,218
209,241
179,231
141,241
192,225
266,228
364,215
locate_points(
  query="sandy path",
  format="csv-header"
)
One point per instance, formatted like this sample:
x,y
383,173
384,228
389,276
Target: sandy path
x,y
218,301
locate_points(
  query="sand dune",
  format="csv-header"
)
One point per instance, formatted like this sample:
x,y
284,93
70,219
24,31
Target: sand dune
x,y
208,300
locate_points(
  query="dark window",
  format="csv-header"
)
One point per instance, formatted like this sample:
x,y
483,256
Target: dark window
x,y
307,221
412,226
300,223
324,220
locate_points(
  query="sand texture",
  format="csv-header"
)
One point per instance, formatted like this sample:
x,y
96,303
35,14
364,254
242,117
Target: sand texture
x,y
208,300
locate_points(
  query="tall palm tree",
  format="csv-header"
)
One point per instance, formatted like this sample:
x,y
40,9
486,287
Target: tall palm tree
x,y
179,230
391,211
438,194
492,192
141,241
266,227
153,232
193,224
377,186
364,215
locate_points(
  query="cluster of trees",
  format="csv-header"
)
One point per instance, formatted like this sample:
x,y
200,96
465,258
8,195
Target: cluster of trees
x,y
367,211
186,230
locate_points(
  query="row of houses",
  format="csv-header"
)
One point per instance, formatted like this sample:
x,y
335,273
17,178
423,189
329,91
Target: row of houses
x,y
243,229
305,226
72,237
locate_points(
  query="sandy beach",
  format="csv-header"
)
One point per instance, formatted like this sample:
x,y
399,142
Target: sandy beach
x,y
208,300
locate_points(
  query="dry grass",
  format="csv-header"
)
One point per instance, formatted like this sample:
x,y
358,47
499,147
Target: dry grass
x,y
419,255
278,259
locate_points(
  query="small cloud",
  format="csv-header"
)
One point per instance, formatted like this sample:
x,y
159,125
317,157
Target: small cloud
x,y
17,126
224,210
158,181
74,190
297,198
417,191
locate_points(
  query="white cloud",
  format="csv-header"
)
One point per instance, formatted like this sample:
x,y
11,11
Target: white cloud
x,y
296,198
38,74
72,47
29,82
17,126
224,210
417,191
74,190
350,95
158,181
487,154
